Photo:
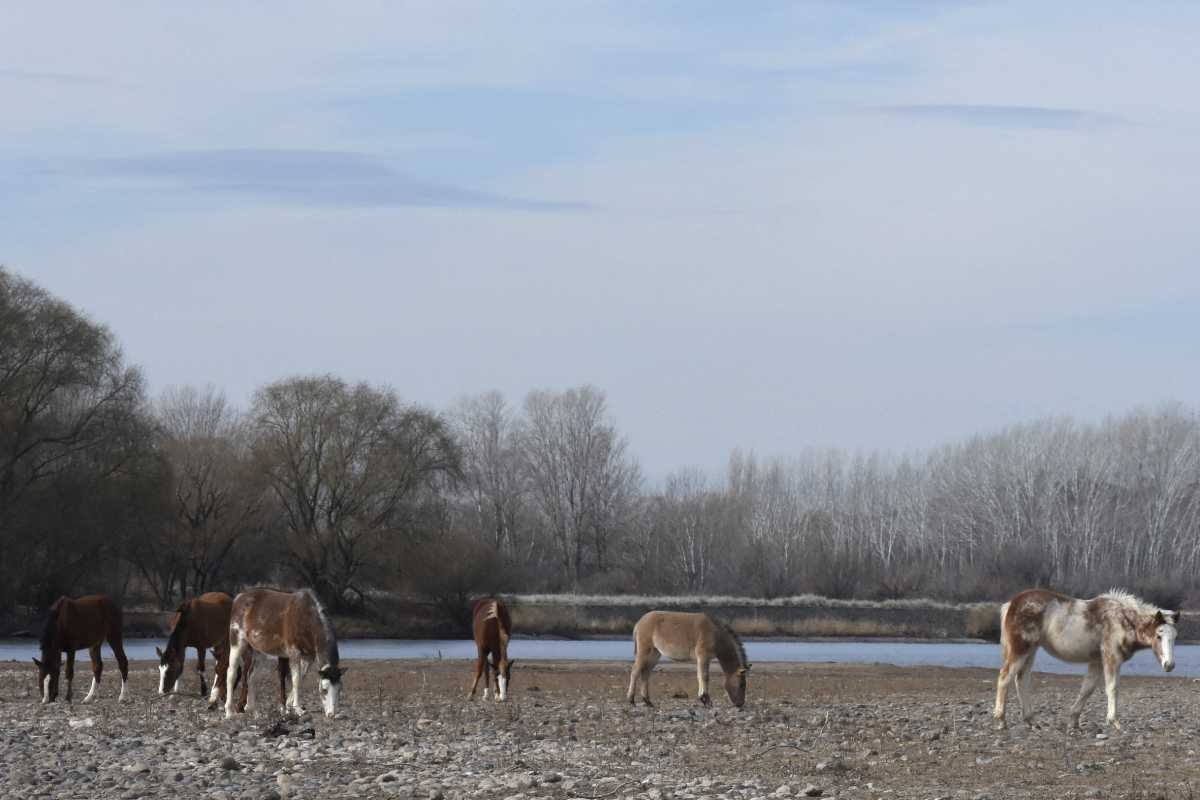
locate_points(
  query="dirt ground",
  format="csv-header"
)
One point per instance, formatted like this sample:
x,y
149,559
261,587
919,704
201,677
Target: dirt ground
x,y
407,730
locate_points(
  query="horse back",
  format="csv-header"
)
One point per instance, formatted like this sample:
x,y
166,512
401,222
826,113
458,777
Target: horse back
x,y
491,624
280,624
679,635
87,621
207,619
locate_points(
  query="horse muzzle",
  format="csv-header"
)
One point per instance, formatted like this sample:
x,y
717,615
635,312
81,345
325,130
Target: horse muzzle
x,y
1168,665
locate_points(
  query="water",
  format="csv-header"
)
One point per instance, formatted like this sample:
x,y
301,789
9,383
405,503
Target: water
x,y
901,654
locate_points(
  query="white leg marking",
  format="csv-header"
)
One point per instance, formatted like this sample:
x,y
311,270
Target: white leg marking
x,y
175,688
121,696
92,690
487,691
162,678
45,690
502,690
297,678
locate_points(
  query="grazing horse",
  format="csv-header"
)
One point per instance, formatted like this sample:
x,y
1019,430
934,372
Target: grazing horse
x,y
682,636
493,627
201,622
287,625
79,624
1102,632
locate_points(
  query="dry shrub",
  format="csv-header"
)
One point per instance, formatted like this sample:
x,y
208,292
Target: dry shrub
x,y
983,621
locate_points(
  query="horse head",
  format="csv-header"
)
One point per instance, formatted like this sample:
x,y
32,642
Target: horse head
x,y
331,686
1163,630
48,669
735,685
170,667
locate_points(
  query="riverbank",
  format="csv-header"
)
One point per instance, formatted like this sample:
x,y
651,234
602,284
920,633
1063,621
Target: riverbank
x,y
844,731
389,616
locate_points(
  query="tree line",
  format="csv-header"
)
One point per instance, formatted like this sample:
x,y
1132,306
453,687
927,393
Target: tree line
x,y
348,489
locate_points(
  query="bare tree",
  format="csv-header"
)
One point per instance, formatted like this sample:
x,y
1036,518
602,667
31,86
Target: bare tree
x,y
492,479
582,481
345,465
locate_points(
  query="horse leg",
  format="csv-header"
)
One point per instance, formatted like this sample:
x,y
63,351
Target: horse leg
x,y
480,661
251,702
297,677
70,672
233,661
200,670
97,671
1089,685
1112,673
220,679
118,648
702,665
1025,687
634,672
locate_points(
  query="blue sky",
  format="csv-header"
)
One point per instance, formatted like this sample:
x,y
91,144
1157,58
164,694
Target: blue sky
x,y
779,227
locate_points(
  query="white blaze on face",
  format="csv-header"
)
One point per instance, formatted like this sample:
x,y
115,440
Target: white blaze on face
x,y
502,690
45,689
162,678
329,696
1166,637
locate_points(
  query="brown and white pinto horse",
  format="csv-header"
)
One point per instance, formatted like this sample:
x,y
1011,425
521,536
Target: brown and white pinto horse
x,y
1102,632
492,626
287,625
201,622
84,623
683,636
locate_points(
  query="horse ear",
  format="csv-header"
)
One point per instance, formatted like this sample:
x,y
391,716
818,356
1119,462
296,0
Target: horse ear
x,y
1158,618
342,671
39,664
159,651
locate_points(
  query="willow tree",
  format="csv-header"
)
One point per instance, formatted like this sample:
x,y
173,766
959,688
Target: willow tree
x,y
346,465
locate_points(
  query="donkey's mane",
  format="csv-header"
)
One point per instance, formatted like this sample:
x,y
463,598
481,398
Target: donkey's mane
x,y
49,637
737,642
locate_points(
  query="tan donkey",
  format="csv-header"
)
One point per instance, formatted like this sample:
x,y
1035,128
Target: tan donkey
x,y
1102,632
684,636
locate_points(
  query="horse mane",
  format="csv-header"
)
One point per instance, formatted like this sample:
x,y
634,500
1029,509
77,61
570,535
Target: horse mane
x,y
331,644
1130,601
49,637
175,640
737,641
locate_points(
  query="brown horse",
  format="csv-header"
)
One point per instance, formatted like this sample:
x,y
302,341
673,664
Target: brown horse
x,y
1102,632
493,627
79,624
201,622
287,625
688,637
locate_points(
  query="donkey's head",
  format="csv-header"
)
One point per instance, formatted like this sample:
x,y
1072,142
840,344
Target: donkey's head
x,y
735,685
331,687
1159,633
48,669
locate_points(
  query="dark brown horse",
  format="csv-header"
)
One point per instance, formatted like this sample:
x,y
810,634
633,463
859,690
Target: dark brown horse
x,y
82,624
287,625
493,627
201,622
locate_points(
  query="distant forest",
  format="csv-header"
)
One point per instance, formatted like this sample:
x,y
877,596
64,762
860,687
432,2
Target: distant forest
x,y
347,488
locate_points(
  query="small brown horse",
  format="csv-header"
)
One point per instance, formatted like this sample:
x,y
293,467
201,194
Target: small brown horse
x,y
688,637
83,623
492,626
201,622
287,625
1102,632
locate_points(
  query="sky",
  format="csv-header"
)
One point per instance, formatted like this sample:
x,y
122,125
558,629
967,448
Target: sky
x,y
777,227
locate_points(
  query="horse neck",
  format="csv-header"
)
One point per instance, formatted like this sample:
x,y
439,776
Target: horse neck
x,y
177,641
51,639
327,647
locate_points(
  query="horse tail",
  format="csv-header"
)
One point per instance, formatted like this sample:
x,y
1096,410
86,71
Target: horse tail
x,y
1004,637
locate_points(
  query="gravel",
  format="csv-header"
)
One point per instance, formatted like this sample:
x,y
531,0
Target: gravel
x,y
407,731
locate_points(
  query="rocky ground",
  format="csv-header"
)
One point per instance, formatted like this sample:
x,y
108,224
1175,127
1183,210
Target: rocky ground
x,y
406,731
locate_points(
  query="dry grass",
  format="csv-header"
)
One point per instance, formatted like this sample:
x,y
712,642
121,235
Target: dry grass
x,y
693,601
818,626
